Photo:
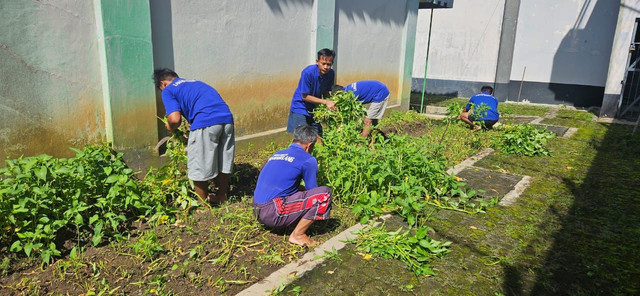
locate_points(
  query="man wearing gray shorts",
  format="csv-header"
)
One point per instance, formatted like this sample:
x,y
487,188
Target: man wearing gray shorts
x,y
371,92
211,145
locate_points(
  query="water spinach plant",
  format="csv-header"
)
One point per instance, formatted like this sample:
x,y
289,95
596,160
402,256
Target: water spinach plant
x,y
89,197
524,139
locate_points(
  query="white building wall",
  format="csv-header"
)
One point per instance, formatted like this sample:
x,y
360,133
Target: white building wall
x,y
629,11
252,52
464,42
567,42
369,41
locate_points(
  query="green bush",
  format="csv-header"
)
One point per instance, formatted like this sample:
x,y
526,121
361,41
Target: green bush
x,y
523,139
396,173
93,194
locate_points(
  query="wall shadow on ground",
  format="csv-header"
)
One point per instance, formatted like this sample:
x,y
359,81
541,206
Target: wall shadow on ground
x,y
595,250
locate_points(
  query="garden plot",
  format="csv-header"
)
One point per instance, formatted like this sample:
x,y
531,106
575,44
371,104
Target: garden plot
x,y
558,239
193,249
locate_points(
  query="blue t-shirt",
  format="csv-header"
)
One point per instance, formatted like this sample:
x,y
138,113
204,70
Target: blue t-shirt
x,y
487,99
368,91
311,83
199,103
282,173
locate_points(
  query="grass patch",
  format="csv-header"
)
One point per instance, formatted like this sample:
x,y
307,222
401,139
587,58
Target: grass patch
x,y
573,232
522,109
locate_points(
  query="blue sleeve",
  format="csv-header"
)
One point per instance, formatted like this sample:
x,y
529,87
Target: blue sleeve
x,y
468,106
170,102
306,83
309,172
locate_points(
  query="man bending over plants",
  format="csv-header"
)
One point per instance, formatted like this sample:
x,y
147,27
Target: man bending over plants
x,y
370,92
279,201
315,83
211,146
485,109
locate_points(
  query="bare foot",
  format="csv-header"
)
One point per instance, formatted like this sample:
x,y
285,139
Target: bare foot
x,y
216,199
302,240
477,128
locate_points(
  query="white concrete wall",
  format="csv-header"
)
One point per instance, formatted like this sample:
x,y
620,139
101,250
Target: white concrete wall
x,y
464,42
50,88
369,41
252,52
629,11
566,42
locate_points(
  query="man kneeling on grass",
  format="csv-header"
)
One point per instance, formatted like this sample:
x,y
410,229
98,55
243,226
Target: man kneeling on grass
x,y
279,201
488,106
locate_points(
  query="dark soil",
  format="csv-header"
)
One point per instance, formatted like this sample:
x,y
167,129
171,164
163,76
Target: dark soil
x,y
414,129
217,251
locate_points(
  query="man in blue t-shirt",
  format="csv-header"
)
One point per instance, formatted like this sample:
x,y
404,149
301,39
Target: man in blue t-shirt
x,y
211,145
279,201
315,83
370,92
481,107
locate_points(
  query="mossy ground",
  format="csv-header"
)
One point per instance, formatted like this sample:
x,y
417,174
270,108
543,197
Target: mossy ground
x,y
574,231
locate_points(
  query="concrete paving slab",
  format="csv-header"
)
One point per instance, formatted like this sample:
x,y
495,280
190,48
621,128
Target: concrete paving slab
x,y
560,131
493,183
518,119
513,195
470,161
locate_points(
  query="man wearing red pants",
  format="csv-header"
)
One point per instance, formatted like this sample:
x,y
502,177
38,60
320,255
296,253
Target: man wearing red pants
x,y
278,200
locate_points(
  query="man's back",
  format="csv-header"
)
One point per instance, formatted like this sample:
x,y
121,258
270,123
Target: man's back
x,y
368,91
200,103
486,99
282,173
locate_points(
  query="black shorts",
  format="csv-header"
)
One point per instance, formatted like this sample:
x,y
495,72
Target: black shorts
x,y
487,123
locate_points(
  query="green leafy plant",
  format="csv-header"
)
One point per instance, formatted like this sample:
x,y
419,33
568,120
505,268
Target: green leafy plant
x,y
523,139
348,110
415,250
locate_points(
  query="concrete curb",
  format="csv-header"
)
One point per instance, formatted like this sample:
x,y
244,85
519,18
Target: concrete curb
x,y
294,270
615,121
570,132
512,195
470,161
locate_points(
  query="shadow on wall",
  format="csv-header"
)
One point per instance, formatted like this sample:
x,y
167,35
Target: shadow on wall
x,y
571,59
162,39
359,10
276,5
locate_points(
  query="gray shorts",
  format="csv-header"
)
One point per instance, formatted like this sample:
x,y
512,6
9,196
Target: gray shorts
x,y
376,110
210,151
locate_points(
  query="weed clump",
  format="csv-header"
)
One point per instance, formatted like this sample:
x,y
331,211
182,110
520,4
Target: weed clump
x,y
523,139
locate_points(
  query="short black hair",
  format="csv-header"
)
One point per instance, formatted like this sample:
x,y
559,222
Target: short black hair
x,y
305,134
163,74
325,52
487,88
336,88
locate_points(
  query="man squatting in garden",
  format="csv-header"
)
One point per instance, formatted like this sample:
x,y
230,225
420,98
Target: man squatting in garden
x,y
315,83
490,116
279,201
370,92
210,149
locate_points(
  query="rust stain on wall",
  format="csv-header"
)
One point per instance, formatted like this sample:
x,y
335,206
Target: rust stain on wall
x,y
134,126
54,134
259,104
